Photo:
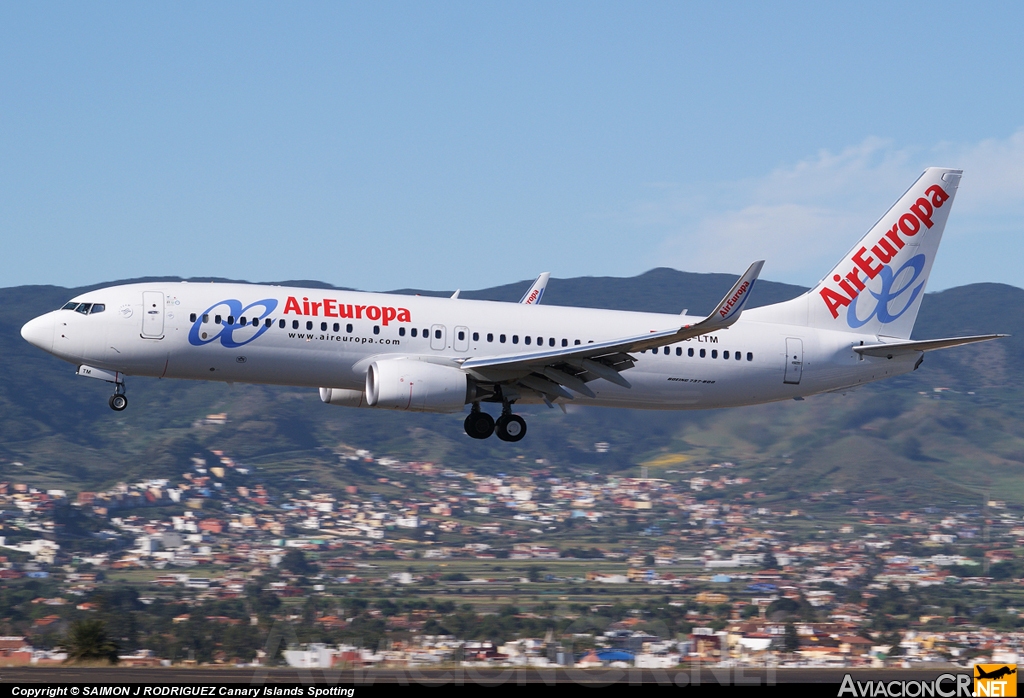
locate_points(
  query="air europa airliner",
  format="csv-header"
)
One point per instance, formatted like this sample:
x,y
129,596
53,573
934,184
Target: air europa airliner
x,y
394,352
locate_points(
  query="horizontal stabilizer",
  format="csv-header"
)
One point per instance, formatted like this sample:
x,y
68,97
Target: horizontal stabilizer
x,y
888,351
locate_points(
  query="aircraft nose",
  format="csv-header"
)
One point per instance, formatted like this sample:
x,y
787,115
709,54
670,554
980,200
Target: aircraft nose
x,y
39,332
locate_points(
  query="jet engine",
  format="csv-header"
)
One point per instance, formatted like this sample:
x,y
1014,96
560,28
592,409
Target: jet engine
x,y
407,384
343,396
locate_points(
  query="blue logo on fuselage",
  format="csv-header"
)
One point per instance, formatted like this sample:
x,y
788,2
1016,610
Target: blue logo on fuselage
x,y
203,333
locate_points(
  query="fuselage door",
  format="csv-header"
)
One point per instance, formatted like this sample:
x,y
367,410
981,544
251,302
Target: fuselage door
x,y
794,360
437,337
461,339
153,314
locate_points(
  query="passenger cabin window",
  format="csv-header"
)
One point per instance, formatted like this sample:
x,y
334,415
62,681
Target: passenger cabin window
x,y
348,328
309,324
565,342
738,357
192,317
268,322
725,354
576,342
413,332
206,319
750,356
667,350
515,339
376,329
476,336
462,335
714,353
527,339
437,334
242,321
295,324
401,331
323,326
490,337
501,338
231,319
281,323
426,333
689,352
679,351
703,353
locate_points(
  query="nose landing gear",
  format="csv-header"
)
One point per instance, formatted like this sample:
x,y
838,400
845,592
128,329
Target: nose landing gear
x,y
118,401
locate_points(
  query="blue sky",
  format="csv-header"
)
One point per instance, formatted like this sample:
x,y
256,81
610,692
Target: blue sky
x,y
442,145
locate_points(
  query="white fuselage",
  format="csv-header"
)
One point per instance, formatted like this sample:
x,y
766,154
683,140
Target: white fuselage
x,y
330,338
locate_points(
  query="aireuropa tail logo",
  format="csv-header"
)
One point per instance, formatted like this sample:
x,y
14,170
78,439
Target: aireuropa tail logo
x,y
888,305
866,265
231,323
995,680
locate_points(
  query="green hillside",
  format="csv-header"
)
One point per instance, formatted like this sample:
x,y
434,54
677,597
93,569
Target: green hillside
x,y
899,441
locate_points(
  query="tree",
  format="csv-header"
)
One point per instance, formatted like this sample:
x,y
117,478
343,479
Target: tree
x,y
295,562
87,640
770,562
791,641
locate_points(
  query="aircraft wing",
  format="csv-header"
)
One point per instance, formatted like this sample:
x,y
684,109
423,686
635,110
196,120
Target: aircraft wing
x,y
536,292
888,351
548,371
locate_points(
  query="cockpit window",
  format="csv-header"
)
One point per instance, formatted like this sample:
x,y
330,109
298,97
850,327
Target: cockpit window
x,y
84,308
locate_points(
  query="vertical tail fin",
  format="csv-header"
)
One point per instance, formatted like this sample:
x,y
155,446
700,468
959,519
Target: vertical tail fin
x,y
878,286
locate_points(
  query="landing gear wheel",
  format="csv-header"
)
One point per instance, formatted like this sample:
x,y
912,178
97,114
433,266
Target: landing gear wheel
x,y
118,402
479,425
510,427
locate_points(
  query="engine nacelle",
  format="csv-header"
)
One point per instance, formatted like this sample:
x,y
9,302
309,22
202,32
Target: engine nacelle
x,y
407,384
344,397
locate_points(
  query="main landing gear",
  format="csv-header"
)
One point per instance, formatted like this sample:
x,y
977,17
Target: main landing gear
x,y
118,401
508,427
479,425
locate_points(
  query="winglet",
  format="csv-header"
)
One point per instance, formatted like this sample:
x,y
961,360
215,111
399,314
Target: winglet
x,y
728,311
536,292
